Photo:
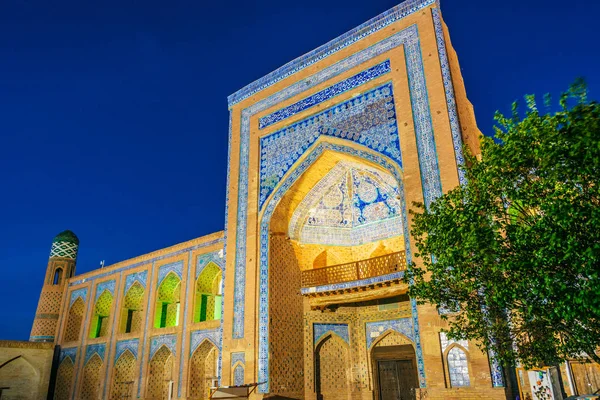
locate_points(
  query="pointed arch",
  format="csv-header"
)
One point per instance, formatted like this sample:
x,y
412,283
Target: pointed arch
x,y
207,296
21,376
131,313
64,379
100,318
456,360
160,374
332,368
168,301
74,320
123,376
391,337
91,381
202,368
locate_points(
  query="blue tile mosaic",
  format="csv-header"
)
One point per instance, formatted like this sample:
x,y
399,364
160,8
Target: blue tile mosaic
x,y
164,270
135,277
203,260
368,119
238,356
131,345
449,90
91,349
320,330
212,335
496,370
70,352
185,323
107,285
238,375
78,293
156,342
359,79
373,330
373,25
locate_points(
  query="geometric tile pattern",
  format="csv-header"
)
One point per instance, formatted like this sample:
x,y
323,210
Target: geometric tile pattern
x,y
458,367
365,29
78,293
326,94
64,249
70,352
197,337
203,260
449,90
156,342
401,325
368,119
352,205
321,330
107,285
445,342
136,276
175,267
238,356
91,349
131,345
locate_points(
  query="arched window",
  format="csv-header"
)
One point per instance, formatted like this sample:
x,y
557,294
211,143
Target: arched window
x,y
57,276
167,302
91,382
131,314
124,376
160,375
458,367
100,318
208,294
202,369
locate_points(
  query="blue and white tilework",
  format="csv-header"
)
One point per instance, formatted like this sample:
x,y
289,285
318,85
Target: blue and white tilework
x,y
197,337
351,205
135,277
320,330
238,356
106,285
313,154
78,293
449,90
238,375
91,349
373,330
352,284
368,119
164,270
156,342
131,345
359,79
373,25
458,368
70,352
445,342
496,370
203,260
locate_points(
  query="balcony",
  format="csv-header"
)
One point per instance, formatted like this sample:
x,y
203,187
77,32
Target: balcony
x,y
354,271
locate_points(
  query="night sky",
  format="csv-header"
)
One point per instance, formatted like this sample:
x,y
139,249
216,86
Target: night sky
x,y
113,114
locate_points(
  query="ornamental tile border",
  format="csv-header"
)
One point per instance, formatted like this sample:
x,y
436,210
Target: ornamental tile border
x,y
106,285
132,345
353,284
373,330
164,270
445,342
156,342
325,94
363,30
203,260
185,324
132,278
146,329
146,262
496,370
320,330
197,337
238,356
91,349
314,153
78,293
449,90
70,352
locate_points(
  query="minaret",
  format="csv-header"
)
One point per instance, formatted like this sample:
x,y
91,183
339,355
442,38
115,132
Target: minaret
x,y
61,267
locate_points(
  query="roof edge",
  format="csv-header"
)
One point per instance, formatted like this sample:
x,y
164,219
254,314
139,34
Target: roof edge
x,y
365,29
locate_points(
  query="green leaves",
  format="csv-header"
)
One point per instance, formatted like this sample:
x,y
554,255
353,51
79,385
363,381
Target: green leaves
x,y
515,252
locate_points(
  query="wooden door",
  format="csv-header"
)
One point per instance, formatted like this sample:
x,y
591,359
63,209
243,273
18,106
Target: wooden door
x,y
397,380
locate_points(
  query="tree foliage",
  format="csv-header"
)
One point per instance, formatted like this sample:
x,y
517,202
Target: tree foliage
x,y
512,257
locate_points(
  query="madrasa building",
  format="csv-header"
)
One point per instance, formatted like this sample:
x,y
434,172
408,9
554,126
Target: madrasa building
x,y
303,290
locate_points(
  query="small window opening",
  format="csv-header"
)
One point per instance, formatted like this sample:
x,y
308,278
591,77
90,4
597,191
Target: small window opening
x,y
57,276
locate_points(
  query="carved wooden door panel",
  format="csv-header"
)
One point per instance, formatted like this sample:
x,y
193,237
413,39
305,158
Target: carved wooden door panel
x,y
397,380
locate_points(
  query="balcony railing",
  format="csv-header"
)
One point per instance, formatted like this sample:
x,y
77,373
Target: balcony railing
x,y
355,271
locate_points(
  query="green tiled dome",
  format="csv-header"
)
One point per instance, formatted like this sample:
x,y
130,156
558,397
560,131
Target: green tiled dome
x,y
66,236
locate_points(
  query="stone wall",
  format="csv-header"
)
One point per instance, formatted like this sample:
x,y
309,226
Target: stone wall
x,y
25,368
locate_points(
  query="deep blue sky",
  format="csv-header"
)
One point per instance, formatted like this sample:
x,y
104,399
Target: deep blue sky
x,y
113,114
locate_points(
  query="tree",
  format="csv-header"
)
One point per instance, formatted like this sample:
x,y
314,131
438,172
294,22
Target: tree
x,y
512,258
